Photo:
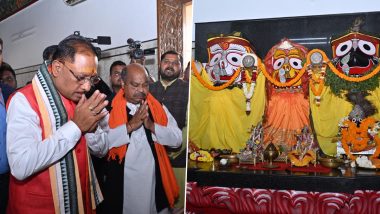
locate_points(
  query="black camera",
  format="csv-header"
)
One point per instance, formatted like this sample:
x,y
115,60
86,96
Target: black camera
x,y
136,52
101,40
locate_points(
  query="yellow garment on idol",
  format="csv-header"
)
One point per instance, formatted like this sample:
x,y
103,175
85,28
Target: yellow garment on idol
x,y
332,109
218,118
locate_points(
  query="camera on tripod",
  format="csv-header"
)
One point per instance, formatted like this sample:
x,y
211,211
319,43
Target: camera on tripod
x,y
136,52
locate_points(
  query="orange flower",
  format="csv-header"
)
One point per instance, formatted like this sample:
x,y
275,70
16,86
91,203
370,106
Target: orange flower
x,y
211,87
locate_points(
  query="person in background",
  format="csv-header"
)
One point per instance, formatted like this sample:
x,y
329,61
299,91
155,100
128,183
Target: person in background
x,y
8,75
139,177
5,91
48,52
51,129
115,78
173,92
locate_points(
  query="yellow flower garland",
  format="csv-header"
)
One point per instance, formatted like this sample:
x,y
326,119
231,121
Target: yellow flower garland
x,y
211,87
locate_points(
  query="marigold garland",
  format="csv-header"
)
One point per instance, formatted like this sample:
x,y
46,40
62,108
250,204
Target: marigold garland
x,y
278,83
321,84
320,81
338,73
358,137
248,79
211,87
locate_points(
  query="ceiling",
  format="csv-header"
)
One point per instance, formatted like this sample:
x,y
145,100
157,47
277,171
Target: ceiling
x,y
10,7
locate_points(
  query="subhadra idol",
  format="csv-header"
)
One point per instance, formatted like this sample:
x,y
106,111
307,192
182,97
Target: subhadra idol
x,y
287,110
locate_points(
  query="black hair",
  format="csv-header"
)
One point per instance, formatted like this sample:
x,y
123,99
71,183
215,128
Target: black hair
x,y
123,74
69,46
174,53
49,52
1,42
7,67
116,63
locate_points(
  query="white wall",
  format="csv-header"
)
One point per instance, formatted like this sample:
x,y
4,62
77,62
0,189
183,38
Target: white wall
x,y
47,22
226,10
223,10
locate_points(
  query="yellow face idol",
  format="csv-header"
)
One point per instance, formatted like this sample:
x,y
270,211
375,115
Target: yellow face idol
x,y
285,62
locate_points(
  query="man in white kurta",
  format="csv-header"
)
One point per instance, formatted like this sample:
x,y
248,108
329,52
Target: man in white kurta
x,y
139,167
27,155
51,128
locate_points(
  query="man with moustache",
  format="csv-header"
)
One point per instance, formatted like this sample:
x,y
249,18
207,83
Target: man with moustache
x,y
140,127
52,128
115,73
173,92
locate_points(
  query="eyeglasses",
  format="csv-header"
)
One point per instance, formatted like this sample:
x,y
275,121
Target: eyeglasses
x,y
81,79
116,73
168,62
7,79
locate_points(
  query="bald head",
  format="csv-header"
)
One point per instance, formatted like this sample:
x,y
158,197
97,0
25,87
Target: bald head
x,y
136,85
132,70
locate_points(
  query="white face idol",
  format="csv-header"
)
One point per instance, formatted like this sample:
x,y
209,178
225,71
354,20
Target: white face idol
x,y
225,59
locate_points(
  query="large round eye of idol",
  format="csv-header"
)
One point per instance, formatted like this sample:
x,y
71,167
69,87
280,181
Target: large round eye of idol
x,y
278,63
295,63
343,48
367,47
234,58
215,59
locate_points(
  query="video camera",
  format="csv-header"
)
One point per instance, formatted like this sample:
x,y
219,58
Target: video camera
x,y
101,40
135,51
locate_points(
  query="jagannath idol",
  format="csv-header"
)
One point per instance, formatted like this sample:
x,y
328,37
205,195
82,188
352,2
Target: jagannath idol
x,y
287,110
226,97
345,105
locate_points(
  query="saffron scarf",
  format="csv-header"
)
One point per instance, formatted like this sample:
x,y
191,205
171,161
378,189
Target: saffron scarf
x,y
118,116
64,175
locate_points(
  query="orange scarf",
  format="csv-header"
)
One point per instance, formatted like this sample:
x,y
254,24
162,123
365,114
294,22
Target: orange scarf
x,y
118,116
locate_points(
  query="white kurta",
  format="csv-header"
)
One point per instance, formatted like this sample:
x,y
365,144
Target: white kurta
x,y
29,154
139,167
